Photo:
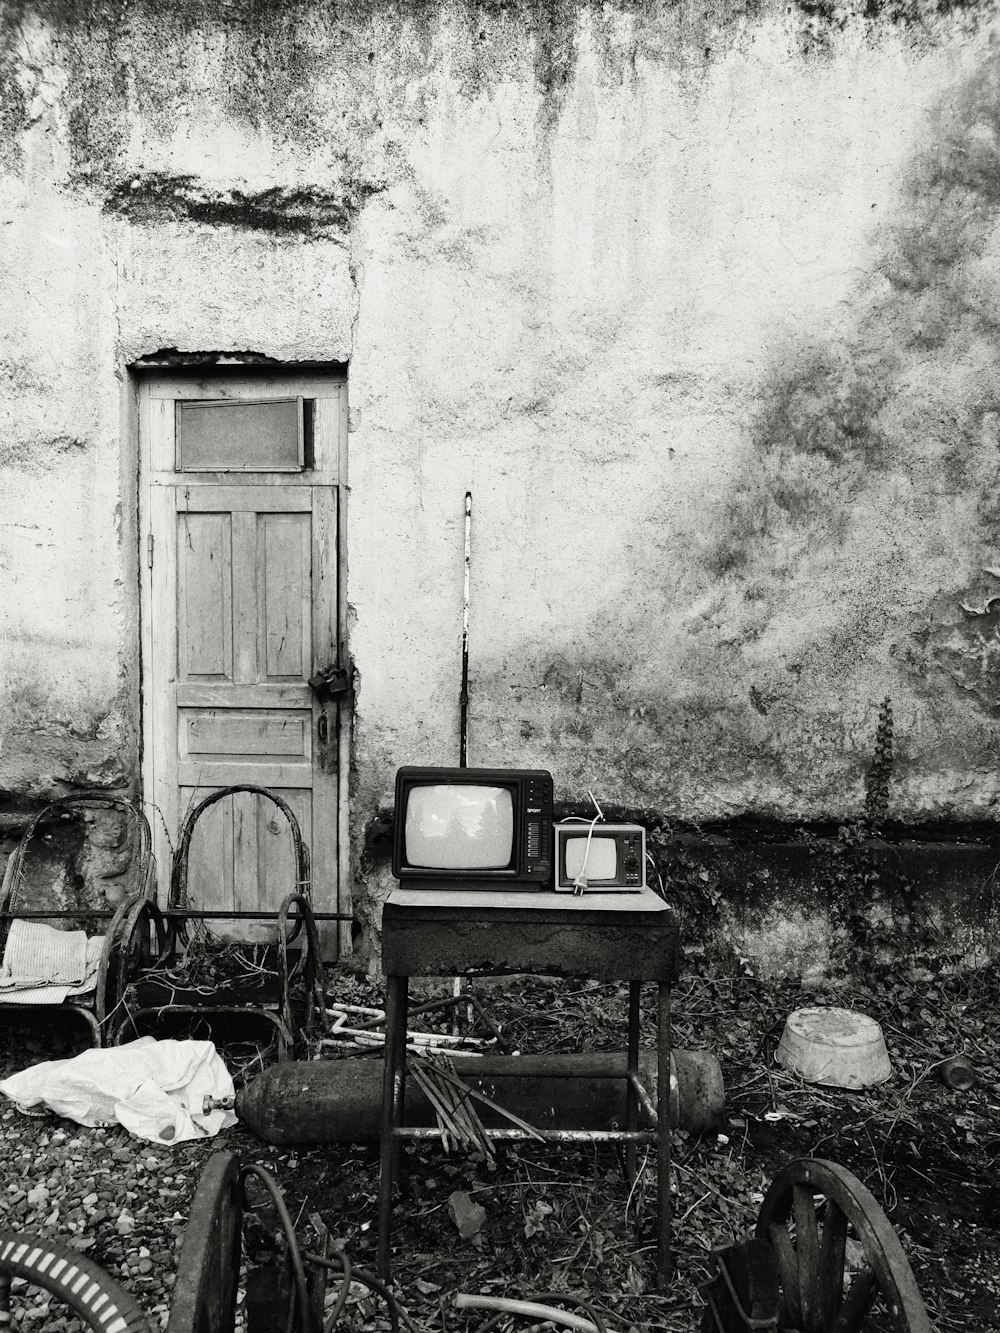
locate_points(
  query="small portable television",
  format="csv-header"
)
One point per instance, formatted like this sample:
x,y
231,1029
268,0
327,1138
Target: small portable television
x,y
473,828
593,857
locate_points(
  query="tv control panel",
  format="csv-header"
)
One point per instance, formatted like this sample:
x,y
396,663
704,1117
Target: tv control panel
x,y
632,857
538,825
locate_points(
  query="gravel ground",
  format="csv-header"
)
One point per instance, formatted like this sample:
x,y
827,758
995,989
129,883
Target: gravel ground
x,y
119,1200
557,1220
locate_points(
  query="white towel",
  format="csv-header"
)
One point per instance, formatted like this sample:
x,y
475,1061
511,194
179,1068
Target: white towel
x,y
39,958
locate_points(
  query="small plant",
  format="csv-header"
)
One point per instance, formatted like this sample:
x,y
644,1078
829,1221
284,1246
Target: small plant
x,y
878,776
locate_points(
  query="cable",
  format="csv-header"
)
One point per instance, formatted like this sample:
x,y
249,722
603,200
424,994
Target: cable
x,y
342,1295
580,883
288,1226
396,1310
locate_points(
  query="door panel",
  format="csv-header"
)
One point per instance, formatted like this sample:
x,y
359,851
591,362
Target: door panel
x,y
284,553
242,596
204,595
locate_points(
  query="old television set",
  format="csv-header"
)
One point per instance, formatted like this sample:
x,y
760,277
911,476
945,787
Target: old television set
x,y
593,857
473,828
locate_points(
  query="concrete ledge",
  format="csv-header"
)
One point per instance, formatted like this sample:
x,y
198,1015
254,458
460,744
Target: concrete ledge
x,y
789,907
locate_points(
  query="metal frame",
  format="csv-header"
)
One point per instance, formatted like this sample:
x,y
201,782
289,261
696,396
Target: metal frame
x,y
94,1008
395,1132
170,927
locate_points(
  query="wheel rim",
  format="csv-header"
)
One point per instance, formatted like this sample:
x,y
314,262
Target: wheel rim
x,y
811,1245
208,1266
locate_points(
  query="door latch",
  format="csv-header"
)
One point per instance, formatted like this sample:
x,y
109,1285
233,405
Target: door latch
x,y
330,682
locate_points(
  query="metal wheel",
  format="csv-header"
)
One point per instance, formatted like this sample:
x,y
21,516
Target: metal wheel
x,y
72,1278
208,1267
841,1265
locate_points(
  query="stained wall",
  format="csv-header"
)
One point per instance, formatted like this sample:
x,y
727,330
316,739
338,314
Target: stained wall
x,y
701,305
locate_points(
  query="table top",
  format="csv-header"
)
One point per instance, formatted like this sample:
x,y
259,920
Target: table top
x,y
534,904
608,936
534,901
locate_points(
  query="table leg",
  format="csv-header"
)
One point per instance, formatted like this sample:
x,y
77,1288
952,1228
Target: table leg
x,y
631,1099
399,1083
664,1201
393,1087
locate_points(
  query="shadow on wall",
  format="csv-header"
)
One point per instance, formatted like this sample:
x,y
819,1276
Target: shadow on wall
x,y
874,461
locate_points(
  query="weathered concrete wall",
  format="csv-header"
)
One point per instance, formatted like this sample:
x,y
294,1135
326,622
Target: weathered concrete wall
x,y
701,305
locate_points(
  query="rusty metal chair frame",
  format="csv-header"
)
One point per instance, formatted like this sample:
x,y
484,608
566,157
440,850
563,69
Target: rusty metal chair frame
x,y
101,1016
170,928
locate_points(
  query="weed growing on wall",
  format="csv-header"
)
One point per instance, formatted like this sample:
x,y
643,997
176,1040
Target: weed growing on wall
x,y
880,772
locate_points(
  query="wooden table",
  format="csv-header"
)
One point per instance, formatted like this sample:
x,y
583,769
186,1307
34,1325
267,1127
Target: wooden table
x,y
435,932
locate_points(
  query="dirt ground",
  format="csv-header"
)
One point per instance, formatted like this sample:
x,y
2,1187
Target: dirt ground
x,y
567,1221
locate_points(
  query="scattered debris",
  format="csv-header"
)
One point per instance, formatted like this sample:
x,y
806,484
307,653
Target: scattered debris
x,y
469,1217
958,1073
931,1167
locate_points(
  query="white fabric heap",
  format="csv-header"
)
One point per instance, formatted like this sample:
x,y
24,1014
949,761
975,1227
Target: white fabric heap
x,y
156,1089
43,965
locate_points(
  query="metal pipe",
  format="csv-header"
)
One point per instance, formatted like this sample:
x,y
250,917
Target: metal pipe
x,y
463,734
547,1313
178,914
555,1135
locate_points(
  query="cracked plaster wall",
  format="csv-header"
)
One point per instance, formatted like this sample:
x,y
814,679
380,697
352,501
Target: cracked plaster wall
x,y
701,306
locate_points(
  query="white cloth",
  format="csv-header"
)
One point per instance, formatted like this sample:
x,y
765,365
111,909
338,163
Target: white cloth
x,y
38,957
154,1088
23,992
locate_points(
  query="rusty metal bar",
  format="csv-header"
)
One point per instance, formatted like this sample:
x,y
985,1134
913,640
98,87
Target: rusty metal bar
x,y
664,1263
631,1105
178,913
394,1078
555,1135
199,914
63,913
636,1083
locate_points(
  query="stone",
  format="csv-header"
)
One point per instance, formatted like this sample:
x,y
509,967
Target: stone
x,y
468,1216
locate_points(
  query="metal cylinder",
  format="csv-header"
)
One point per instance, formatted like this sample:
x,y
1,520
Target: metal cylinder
x,y
338,1101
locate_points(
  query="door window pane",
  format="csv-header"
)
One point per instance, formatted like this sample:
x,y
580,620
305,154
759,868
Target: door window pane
x,y
255,435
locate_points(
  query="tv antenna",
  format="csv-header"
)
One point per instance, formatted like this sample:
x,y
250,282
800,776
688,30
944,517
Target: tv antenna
x,y
463,706
463,698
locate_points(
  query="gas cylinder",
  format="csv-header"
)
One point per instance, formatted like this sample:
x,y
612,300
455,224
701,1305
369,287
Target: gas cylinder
x,y
339,1101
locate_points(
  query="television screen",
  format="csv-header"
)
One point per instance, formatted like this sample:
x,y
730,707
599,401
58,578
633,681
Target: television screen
x,y
459,827
599,862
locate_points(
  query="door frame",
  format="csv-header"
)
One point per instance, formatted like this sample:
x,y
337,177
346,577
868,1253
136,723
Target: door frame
x,y
143,376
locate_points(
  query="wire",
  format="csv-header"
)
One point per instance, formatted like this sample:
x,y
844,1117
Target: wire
x,y
294,1253
342,1295
397,1311
580,883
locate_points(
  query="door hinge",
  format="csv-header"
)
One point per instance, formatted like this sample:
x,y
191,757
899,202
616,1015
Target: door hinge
x,y
149,550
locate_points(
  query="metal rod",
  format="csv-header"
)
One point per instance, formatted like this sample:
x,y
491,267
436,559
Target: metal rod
x,y
463,738
193,914
178,913
664,1205
545,1313
631,1101
555,1135
644,1098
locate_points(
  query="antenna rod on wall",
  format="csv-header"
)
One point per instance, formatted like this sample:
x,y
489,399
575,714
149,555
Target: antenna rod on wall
x,y
463,743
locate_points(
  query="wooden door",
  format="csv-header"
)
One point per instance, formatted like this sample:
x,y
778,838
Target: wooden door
x,y
241,600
